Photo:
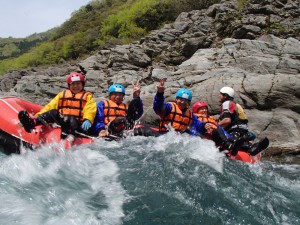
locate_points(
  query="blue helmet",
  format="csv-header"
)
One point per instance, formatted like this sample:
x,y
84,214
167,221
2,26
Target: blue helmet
x,y
116,88
184,93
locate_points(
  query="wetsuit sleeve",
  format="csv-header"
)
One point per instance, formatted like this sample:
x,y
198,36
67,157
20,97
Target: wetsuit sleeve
x,y
90,109
160,107
53,104
197,127
98,124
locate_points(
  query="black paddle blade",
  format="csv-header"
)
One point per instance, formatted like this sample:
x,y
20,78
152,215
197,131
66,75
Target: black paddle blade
x,y
133,112
117,126
259,146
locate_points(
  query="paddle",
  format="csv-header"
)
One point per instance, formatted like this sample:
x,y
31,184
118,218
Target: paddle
x,y
259,146
118,125
133,113
109,137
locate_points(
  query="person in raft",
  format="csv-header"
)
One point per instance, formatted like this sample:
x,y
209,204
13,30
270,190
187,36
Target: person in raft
x,y
74,109
232,116
200,110
109,110
234,120
178,115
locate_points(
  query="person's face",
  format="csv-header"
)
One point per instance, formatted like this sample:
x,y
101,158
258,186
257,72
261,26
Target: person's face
x,y
116,97
203,111
222,97
182,103
76,87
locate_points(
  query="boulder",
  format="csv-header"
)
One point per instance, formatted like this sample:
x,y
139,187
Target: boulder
x,y
203,50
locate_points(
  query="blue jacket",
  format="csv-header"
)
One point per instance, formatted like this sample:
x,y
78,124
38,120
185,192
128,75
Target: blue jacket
x,y
163,108
99,125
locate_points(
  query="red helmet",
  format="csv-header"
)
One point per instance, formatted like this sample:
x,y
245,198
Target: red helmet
x,y
75,76
198,105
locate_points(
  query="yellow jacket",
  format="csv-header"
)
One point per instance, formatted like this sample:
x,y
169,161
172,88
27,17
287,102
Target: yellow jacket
x,y
89,110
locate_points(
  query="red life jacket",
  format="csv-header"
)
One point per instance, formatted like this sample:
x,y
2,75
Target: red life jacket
x,y
112,110
72,104
178,120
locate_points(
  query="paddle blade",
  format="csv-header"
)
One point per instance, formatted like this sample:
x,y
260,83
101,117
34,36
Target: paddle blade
x,y
133,112
259,146
117,126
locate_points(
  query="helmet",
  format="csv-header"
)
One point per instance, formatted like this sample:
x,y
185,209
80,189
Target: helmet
x,y
184,93
227,90
116,88
75,76
198,105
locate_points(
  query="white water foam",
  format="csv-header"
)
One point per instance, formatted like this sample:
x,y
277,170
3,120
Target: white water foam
x,y
60,183
184,146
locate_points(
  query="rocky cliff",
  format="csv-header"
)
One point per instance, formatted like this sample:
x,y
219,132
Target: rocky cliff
x,y
254,49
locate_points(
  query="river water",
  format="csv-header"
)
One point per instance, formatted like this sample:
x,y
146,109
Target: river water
x,y
172,179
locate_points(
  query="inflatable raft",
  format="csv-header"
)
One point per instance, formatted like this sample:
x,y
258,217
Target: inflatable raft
x,y
13,135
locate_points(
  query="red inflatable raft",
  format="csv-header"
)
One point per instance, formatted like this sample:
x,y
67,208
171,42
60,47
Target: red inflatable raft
x,y
13,135
245,157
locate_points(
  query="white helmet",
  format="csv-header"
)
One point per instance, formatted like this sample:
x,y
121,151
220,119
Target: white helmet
x,y
227,90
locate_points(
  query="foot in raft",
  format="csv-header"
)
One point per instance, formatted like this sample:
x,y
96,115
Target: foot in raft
x,y
27,122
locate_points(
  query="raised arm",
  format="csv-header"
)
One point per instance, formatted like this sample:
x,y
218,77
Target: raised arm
x,y
160,107
136,89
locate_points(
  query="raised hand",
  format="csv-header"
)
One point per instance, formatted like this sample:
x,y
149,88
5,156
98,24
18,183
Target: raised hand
x,y
161,86
136,89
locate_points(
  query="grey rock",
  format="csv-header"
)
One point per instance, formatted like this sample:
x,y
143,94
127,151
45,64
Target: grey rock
x,y
198,52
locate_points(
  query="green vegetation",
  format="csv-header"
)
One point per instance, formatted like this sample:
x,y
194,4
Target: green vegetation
x,y
90,28
13,47
242,4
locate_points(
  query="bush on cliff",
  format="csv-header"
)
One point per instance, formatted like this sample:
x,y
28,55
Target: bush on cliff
x,y
97,23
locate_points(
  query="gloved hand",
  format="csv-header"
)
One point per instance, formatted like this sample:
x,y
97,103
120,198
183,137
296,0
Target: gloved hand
x,y
86,125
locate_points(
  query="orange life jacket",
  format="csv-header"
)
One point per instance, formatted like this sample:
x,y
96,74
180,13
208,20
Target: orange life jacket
x,y
112,110
177,119
72,104
209,119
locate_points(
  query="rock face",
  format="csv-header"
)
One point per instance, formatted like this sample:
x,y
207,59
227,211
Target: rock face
x,y
255,50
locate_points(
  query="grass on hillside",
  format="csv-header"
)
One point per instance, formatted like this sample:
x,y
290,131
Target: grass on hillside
x,y
97,23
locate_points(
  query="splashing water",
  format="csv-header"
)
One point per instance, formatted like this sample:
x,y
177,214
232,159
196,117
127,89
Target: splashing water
x,y
172,179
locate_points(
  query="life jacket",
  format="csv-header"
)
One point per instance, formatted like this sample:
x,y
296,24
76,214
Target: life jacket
x,y
209,119
178,120
112,110
241,115
72,104
238,117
